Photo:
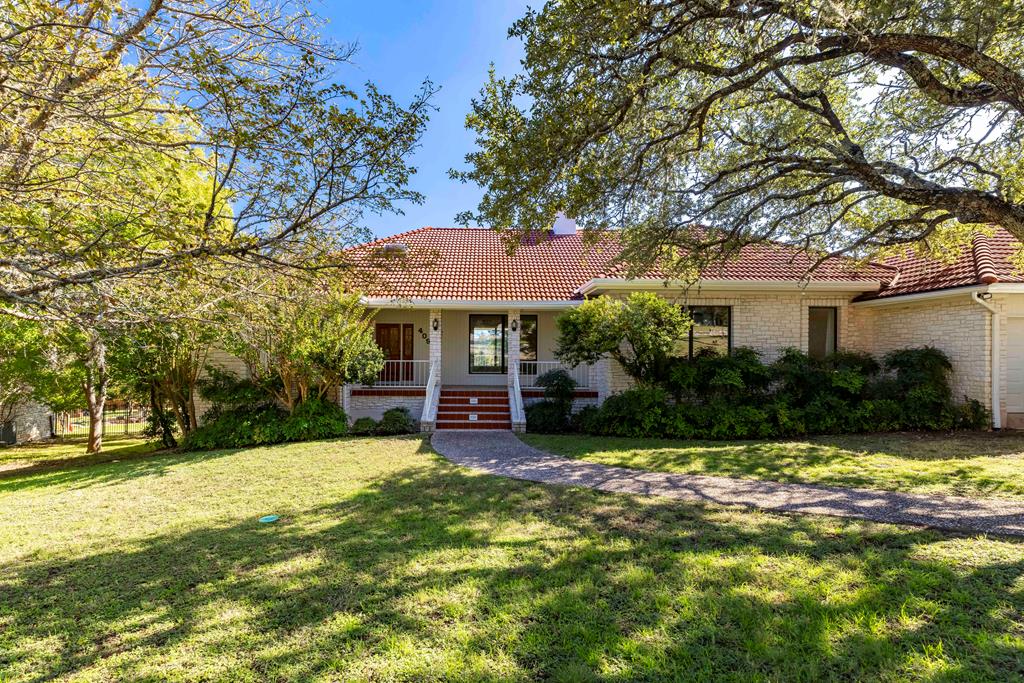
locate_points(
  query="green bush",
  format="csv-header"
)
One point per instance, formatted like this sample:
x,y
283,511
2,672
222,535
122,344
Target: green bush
x,y
739,397
585,420
739,377
639,412
552,415
396,421
315,419
364,426
238,427
262,424
547,417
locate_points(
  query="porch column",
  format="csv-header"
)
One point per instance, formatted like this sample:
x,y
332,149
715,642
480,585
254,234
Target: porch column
x,y
435,337
514,324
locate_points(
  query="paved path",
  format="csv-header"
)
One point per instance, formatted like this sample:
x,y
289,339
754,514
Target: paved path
x,y
501,453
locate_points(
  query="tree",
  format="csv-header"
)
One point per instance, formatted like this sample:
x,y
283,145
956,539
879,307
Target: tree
x,y
238,92
21,355
841,126
302,338
161,364
640,333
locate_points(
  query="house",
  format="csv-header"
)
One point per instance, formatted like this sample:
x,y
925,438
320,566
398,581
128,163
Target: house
x,y
467,327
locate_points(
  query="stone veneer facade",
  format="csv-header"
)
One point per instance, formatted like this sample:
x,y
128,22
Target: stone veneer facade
x,y
771,322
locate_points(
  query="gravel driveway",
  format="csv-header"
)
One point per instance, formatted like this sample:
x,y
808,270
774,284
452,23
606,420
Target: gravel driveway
x,y
501,453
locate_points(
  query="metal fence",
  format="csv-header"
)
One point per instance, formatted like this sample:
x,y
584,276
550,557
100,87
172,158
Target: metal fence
x,y
126,420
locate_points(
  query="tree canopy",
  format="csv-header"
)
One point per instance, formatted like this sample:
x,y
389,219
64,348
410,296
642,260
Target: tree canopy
x,y
841,126
141,141
641,333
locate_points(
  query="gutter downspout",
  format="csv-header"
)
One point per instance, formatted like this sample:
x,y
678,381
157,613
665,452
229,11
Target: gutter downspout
x,y
997,418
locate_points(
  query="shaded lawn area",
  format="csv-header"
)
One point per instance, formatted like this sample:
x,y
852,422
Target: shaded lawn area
x,y
973,464
391,564
29,457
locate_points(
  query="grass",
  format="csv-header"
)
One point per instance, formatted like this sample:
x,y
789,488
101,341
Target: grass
x,y
973,464
390,564
31,457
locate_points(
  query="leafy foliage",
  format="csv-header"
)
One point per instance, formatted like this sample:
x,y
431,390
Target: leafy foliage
x,y
396,421
738,397
640,333
552,414
846,126
210,132
364,426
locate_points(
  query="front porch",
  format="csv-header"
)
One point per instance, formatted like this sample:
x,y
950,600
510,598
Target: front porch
x,y
489,356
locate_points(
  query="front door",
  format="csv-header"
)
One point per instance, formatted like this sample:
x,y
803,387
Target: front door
x,y
487,344
395,340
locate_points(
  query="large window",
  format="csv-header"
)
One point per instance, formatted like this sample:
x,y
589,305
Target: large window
x,y
711,331
488,343
822,330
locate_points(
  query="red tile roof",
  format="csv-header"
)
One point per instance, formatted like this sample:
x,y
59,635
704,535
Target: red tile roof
x,y
987,260
474,264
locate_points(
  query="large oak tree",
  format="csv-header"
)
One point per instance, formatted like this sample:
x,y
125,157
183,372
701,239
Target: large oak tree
x,y
843,126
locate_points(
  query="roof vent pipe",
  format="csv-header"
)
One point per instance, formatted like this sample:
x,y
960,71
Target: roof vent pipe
x,y
563,225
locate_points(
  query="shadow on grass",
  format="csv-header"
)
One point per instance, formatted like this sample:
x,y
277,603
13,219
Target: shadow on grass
x,y
895,461
438,574
116,462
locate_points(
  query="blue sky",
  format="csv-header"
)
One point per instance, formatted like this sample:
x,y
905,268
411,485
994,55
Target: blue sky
x,y
451,42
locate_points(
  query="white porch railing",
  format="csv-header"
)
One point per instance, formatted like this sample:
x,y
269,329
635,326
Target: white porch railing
x,y
515,399
403,373
530,370
429,416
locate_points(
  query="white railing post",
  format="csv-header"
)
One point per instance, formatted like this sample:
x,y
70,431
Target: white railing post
x,y
515,398
428,418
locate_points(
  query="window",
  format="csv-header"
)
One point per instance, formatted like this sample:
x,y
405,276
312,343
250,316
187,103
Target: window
x,y
528,337
711,331
822,331
487,344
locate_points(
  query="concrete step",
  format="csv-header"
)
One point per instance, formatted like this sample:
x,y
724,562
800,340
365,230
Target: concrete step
x,y
480,393
480,417
478,408
466,424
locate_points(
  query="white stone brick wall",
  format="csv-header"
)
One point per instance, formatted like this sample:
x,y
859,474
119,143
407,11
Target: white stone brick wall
x,y
219,358
765,322
956,325
31,422
374,406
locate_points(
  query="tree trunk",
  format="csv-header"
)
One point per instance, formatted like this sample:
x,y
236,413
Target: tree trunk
x,y
161,421
95,391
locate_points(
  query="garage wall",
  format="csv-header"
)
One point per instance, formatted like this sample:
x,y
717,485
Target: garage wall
x,y
956,325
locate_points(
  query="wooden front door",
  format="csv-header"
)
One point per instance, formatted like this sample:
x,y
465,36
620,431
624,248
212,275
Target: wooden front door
x,y
395,339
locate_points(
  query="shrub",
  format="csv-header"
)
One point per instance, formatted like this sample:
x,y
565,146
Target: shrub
x,y
739,397
639,412
586,420
972,414
364,426
738,377
315,419
547,417
396,421
239,427
267,424
552,415
559,387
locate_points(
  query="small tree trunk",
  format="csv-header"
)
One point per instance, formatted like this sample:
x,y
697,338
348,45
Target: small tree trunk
x,y
96,392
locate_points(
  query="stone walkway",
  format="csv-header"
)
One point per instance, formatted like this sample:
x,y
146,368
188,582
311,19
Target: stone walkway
x,y
501,453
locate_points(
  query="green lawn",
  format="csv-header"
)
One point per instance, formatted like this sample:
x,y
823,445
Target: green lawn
x,y
390,564
965,464
18,460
